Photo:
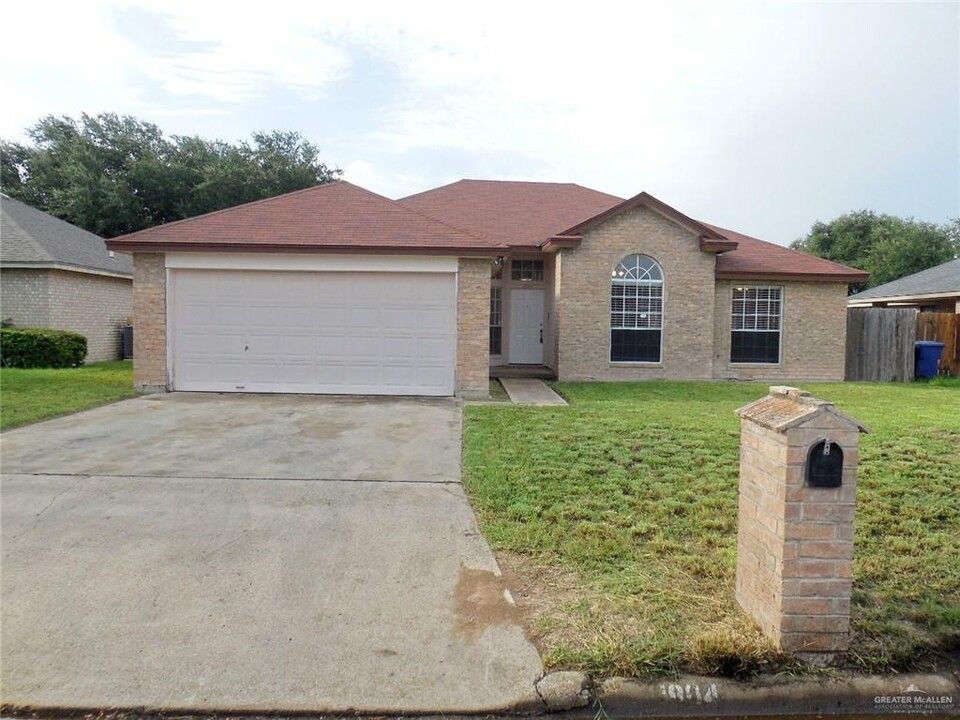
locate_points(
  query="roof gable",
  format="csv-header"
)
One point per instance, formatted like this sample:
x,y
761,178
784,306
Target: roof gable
x,y
333,217
710,240
32,237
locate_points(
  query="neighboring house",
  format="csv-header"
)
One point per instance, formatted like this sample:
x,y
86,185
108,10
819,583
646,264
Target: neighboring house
x,y
335,289
56,275
935,289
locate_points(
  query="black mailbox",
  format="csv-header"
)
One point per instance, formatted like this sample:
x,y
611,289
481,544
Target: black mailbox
x,y
825,465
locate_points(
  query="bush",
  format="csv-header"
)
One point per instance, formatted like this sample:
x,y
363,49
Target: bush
x,y
41,348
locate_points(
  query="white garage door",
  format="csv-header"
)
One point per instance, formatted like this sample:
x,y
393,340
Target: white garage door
x,y
313,332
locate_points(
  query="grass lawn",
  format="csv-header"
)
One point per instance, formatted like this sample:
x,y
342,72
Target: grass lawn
x,y
27,396
615,519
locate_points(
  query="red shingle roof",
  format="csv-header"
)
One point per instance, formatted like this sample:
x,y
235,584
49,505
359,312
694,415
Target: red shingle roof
x,y
758,259
526,214
337,216
482,217
520,214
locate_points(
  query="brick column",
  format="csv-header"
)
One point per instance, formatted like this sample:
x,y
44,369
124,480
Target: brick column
x,y
473,328
795,539
150,322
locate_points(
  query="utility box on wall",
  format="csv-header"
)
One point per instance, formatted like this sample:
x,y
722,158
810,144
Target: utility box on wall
x,y
798,484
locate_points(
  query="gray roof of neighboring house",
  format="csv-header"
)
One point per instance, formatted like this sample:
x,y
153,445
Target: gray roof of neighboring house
x,y
940,280
31,237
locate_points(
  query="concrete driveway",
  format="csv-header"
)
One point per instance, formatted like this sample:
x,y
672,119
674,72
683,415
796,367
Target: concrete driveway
x,y
288,553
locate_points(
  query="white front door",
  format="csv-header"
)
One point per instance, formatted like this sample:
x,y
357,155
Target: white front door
x,y
526,326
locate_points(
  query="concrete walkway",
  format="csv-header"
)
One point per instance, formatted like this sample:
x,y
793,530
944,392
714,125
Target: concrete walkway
x,y
530,391
253,553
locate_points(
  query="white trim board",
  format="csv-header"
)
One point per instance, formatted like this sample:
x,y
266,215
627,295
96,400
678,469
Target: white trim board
x,y
311,263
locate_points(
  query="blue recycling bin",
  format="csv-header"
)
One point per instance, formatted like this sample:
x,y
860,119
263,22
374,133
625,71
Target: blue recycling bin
x,y
926,355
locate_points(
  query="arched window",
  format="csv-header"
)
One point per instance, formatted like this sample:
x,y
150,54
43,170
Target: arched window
x,y
636,310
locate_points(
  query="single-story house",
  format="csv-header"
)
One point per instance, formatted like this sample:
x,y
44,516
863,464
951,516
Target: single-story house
x,y
56,275
335,289
935,289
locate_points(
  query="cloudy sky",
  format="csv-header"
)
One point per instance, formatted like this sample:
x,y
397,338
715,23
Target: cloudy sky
x,y
762,117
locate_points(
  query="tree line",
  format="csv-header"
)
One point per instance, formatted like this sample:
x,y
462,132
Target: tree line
x,y
886,246
113,175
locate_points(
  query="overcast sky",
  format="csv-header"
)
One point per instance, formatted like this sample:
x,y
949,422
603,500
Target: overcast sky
x,y
761,117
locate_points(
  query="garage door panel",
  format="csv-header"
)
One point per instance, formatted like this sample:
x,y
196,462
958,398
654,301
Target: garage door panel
x,y
366,318
364,349
431,351
400,350
367,294
229,316
432,294
331,349
433,320
230,372
319,332
298,347
264,316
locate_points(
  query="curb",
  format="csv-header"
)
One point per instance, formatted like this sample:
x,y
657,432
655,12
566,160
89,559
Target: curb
x,y
696,696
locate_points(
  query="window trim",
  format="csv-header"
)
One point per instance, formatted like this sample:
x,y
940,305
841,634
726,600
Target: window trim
x,y
496,284
663,306
519,260
780,332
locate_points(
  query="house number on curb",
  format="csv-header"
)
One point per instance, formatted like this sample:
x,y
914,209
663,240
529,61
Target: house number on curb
x,y
690,692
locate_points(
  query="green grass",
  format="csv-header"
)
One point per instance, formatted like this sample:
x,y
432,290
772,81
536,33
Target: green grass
x,y
630,497
497,392
30,395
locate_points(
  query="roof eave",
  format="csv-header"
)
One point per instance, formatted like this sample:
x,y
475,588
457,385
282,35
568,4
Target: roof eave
x,y
561,242
792,277
65,267
948,295
709,244
303,249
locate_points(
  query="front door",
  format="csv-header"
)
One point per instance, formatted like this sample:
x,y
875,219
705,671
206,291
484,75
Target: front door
x,y
526,326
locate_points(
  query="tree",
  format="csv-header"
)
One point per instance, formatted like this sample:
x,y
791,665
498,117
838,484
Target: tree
x,y
114,175
887,247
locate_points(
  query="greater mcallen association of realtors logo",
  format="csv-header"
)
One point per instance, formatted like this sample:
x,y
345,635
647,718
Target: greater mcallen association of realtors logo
x,y
913,699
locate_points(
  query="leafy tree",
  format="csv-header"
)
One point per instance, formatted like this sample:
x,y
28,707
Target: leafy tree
x,y
115,174
887,247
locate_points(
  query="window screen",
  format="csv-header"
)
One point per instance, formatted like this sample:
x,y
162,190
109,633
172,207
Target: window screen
x,y
636,310
756,325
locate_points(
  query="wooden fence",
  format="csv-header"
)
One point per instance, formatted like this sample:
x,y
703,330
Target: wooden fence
x,y
942,327
880,344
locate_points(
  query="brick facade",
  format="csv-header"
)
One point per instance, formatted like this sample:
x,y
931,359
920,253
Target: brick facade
x,y
794,541
814,332
150,322
25,297
96,306
583,300
696,327
473,328
697,310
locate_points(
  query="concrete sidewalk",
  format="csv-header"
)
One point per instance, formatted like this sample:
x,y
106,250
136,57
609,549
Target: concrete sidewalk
x,y
530,391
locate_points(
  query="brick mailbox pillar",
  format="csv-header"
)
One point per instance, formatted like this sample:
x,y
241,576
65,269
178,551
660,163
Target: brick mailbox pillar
x,y
798,484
